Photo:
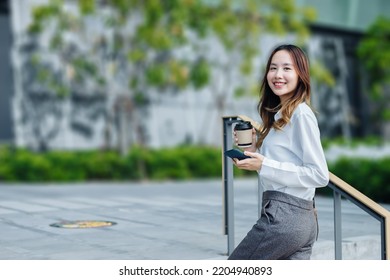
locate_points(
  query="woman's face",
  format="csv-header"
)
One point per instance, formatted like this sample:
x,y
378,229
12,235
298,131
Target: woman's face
x,y
282,77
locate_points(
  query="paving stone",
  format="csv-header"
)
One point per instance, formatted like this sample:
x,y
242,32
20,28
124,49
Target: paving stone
x,y
154,220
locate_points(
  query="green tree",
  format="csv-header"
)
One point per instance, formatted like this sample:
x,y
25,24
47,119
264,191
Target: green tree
x,y
126,48
374,52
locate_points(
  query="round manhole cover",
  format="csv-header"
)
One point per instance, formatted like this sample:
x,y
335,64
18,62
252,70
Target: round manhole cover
x,y
83,224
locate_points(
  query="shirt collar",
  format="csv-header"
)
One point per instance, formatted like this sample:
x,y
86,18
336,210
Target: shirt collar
x,y
278,115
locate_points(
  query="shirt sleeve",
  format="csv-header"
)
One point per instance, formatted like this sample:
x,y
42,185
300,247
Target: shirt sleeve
x,y
313,172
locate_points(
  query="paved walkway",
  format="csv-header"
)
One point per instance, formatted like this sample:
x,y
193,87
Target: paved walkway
x,y
167,220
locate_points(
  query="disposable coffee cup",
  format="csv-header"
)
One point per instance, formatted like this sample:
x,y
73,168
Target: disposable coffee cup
x,y
243,131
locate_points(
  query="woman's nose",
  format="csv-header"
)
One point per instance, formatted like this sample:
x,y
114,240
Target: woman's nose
x,y
278,72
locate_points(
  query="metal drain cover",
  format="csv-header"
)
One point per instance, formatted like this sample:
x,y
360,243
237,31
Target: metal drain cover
x,y
83,224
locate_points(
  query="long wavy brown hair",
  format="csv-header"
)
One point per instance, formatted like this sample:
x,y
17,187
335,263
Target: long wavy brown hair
x,y
270,104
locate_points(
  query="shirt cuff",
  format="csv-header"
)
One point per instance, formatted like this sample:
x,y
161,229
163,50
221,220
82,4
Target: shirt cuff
x,y
266,170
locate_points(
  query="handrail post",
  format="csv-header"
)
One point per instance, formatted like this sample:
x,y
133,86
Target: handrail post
x,y
337,225
386,238
228,190
384,253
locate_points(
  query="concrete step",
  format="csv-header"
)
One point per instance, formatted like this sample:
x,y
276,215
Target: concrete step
x,y
354,248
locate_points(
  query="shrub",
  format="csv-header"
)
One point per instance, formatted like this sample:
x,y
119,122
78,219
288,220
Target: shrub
x,y
66,166
169,163
370,176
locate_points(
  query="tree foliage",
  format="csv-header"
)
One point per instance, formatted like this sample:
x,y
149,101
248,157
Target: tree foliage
x,y
374,50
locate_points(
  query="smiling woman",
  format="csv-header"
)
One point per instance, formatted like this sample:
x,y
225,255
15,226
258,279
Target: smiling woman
x,y
290,162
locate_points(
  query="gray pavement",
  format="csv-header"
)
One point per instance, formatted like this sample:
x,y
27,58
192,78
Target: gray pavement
x,y
154,220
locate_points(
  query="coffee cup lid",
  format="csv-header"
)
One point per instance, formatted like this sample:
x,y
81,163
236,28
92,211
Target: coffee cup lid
x,y
243,125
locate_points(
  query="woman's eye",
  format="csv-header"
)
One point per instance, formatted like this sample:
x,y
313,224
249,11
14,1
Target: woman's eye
x,y
287,68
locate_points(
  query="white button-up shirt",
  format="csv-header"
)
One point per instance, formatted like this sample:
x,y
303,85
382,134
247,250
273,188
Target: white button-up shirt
x,y
294,160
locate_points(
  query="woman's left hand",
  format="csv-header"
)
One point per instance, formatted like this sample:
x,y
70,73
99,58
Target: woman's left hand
x,y
253,164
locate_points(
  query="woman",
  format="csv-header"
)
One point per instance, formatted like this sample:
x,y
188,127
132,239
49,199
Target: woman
x,y
290,162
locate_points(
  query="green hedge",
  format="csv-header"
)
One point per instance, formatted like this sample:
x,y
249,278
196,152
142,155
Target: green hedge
x,y
170,163
371,177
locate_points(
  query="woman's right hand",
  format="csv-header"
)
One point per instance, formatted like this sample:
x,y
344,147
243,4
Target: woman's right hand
x,y
254,140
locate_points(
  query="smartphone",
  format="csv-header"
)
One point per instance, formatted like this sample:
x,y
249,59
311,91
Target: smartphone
x,y
234,153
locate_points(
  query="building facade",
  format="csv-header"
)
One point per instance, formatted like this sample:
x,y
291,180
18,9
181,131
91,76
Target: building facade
x,y
6,77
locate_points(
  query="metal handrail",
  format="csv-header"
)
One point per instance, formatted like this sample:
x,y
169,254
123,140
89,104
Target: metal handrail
x,y
339,187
